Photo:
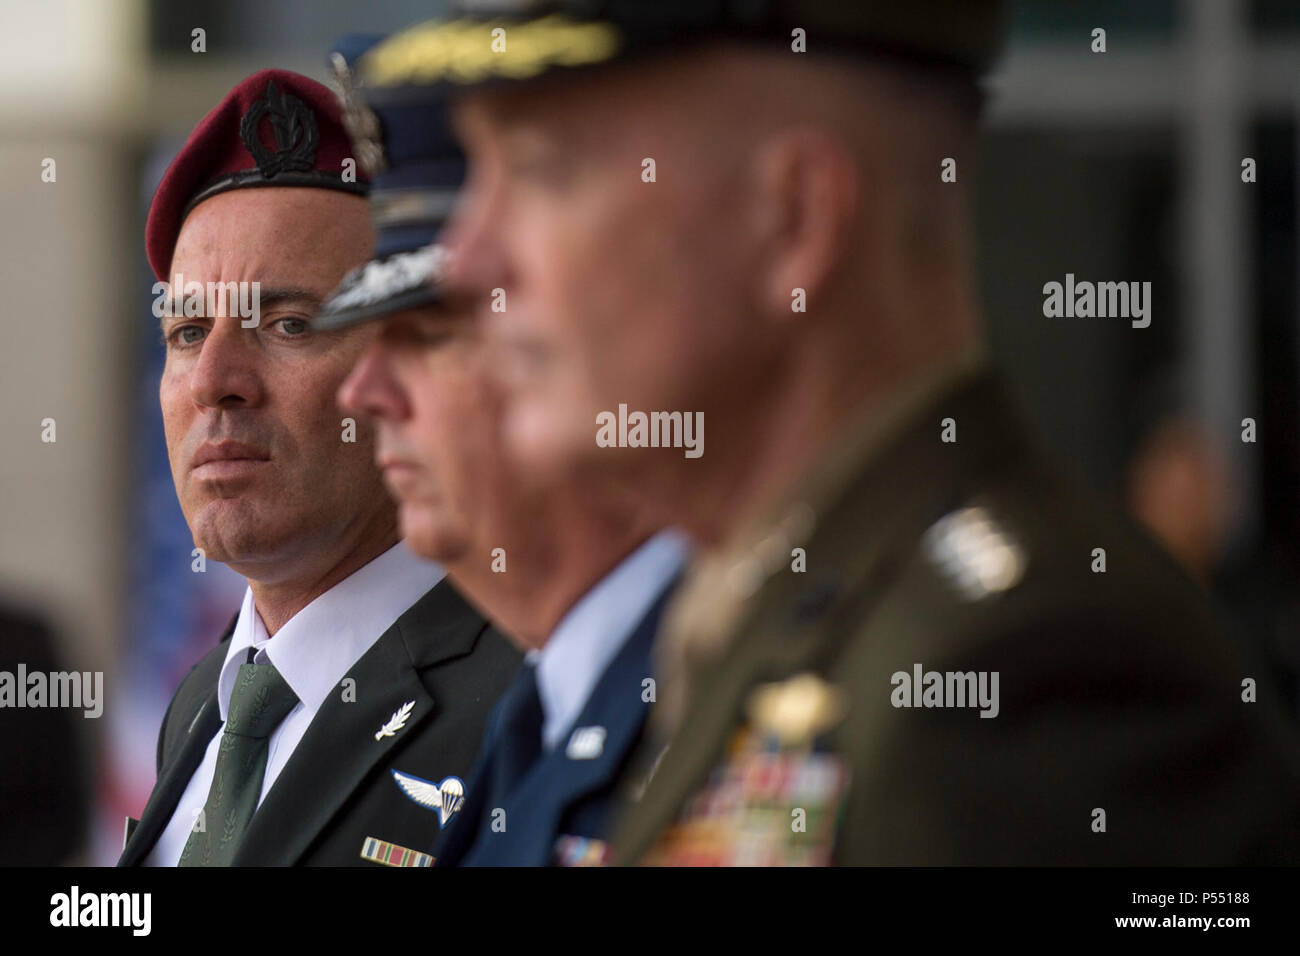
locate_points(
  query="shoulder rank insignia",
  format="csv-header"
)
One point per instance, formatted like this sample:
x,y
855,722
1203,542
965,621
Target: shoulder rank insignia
x,y
390,854
975,553
444,798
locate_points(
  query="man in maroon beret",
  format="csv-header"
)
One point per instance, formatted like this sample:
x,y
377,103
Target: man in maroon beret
x,y
335,720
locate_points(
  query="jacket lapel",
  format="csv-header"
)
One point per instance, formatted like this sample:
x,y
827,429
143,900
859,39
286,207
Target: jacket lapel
x,y
451,847
174,779
340,748
559,782
201,723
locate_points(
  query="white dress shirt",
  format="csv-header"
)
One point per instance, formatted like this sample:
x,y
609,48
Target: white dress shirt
x,y
594,630
313,652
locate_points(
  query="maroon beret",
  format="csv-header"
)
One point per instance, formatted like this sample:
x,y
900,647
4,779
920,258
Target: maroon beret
x,y
276,128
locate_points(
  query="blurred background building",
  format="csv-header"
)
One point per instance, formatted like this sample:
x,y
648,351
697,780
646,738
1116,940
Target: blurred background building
x,y
1117,166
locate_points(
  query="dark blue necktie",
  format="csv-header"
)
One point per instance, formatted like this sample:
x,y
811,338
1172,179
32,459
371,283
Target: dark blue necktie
x,y
518,740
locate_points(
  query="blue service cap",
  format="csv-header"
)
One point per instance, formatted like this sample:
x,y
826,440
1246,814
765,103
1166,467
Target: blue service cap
x,y
416,169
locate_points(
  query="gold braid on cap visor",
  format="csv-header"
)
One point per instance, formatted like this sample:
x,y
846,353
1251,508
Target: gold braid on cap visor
x,y
469,51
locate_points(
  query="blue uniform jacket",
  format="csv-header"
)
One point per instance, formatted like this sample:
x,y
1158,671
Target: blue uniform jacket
x,y
560,797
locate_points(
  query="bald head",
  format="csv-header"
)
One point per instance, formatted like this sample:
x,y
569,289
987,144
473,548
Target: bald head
x,y
706,232
857,143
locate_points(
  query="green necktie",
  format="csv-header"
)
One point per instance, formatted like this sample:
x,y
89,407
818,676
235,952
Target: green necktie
x,y
259,701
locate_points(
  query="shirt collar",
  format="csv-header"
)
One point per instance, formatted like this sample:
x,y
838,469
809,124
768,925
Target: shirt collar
x,y
318,646
570,663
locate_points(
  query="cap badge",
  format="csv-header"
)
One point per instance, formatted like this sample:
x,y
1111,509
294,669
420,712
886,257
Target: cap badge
x,y
294,126
359,120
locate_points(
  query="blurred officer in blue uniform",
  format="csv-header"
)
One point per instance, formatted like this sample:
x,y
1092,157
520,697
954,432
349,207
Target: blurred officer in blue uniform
x,y
574,575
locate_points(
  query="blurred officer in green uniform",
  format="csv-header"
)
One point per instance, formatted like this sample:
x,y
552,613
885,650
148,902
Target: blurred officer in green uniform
x,y
909,639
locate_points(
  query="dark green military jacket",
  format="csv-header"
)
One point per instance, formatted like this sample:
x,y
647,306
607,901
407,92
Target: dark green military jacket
x,y
1118,734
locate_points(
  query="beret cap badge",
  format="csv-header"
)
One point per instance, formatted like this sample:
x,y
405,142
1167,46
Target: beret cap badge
x,y
276,128
294,127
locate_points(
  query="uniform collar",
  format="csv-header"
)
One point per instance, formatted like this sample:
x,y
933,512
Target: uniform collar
x,y
719,588
571,661
318,645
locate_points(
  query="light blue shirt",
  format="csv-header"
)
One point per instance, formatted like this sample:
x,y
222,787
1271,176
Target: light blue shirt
x,y
594,630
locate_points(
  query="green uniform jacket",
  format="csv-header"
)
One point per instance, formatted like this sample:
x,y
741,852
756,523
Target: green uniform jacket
x,y
1119,691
